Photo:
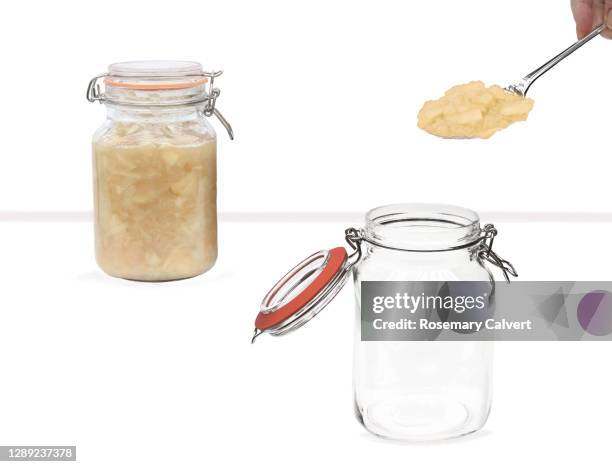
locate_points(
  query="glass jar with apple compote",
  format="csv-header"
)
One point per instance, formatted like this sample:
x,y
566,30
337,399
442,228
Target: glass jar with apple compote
x,y
155,170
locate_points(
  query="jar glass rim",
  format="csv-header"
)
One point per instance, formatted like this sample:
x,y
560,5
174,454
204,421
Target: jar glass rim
x,y
422,227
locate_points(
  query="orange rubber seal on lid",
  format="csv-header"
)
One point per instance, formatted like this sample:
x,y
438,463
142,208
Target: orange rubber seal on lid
x,y
337,258
155,86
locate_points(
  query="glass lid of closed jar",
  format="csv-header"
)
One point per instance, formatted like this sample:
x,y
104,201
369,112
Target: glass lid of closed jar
x,y
398,242
155,187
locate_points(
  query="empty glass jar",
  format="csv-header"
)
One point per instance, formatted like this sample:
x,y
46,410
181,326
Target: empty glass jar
x,y
421,390
404,388
154,161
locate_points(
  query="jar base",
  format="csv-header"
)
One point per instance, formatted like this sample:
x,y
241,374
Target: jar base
x,y
418,418
149,277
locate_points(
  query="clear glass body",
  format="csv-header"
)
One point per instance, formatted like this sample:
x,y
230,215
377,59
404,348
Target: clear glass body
x,y
155,188
421,390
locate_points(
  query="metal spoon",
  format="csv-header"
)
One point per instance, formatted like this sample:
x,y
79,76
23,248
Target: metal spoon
x,y
524,84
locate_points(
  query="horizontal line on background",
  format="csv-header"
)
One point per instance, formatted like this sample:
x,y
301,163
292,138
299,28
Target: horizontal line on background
x,y
486,216
318,216
45,216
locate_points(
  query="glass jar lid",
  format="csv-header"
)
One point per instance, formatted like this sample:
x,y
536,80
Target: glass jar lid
x,y
159,83
303,292
155,75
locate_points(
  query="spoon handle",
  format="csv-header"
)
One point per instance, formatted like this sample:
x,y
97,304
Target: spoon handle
x,y
527,81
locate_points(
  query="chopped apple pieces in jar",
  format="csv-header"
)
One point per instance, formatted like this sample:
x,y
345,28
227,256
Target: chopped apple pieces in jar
x,y
473,111
155,201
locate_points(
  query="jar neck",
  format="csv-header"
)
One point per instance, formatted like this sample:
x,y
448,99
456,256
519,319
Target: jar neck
x,y
415,228
446,258
141,114
173,105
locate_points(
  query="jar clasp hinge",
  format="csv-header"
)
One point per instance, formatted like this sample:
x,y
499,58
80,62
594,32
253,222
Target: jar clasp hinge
x,y
354,238
94,93
486,253
209,107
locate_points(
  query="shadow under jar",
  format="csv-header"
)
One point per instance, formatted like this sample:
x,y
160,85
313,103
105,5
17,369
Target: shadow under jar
x,y
413,386
155,171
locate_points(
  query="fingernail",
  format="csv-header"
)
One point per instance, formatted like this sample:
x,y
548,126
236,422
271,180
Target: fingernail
x,y
609,20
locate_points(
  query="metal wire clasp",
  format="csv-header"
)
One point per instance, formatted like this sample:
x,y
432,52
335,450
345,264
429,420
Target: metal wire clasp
x,y
213,94
94,93
486,253
354,238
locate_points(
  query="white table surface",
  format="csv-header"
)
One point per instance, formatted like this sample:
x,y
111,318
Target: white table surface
x,y
164,374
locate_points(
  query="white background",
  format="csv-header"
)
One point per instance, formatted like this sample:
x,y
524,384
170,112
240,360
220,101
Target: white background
x,y
323,97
